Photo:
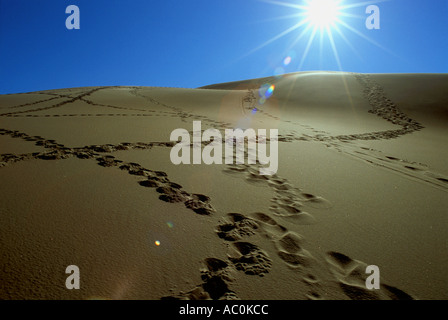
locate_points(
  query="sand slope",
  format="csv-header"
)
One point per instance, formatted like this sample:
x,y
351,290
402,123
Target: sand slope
x,y
86,179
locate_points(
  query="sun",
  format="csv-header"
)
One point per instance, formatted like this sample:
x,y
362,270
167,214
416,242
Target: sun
x,y
322,13
324,20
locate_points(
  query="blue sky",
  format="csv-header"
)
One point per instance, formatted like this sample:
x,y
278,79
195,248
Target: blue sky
x,y
180,43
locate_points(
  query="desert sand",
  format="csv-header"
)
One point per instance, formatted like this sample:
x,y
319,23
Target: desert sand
x,y
86,180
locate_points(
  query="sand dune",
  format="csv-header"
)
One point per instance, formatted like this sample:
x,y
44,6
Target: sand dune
x,y
86,180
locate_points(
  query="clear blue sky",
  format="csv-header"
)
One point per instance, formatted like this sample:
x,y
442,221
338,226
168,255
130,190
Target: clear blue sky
x,y
180,43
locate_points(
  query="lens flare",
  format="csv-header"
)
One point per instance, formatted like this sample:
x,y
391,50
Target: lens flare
x,y
266,91
287,61
270,91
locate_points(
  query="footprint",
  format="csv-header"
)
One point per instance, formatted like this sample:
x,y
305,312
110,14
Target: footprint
x,y
342,264
130,166
237,228
290,250
170,191
407,168
216,287
291,242
256,179
288,199
355,292
311,279
106,161
412,168
53,155
392,158
150,183
396,294
235,168
295,260
351,276
171,195
293,214
200,204
140,172
315,201
268,221
216,276
250,259
314,296
214,265
264,218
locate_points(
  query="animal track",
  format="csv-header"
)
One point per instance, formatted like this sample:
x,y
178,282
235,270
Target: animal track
x,y
287,200
351,278
406,168
380,106
180,112
250,259
384,107
59,104
244,256
170,192
238,227
216,276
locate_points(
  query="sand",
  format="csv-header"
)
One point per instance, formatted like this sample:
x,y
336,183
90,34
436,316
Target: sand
x,y
86,180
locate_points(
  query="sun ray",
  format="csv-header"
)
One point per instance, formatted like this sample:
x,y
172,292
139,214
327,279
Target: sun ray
x,y
310,41
321,52
344,80
333,47
362,4
280,35
350,15
300,36
286,4
342,35
321,20
285,17
342,23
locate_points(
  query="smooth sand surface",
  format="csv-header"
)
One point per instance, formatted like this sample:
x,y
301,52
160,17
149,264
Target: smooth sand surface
x,y
86,180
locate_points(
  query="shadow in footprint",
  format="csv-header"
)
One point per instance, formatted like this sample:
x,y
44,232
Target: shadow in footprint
x,y
250,259
238,227
351,277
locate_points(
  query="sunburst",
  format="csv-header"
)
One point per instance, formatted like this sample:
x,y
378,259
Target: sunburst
x,y
321,19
